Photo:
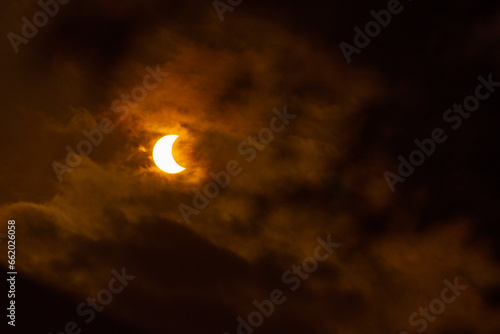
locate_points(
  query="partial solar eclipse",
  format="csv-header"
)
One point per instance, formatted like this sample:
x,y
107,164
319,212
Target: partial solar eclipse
x,y
163,157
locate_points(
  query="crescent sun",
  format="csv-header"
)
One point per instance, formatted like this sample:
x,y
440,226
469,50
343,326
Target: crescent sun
x,y
162,155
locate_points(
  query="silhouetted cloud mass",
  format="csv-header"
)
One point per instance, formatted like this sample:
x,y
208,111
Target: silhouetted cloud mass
x,y
321,175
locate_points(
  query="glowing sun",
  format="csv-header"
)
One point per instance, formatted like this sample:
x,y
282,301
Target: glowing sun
x,y
162,155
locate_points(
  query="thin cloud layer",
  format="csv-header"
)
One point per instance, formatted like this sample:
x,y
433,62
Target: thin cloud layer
x,y
321,175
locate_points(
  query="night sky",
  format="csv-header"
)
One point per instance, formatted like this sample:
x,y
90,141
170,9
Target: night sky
x,y
341,176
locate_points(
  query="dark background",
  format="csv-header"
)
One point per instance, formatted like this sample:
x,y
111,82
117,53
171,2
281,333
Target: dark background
x,y
324,174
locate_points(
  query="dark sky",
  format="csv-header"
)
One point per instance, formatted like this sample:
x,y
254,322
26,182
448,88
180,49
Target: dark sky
x,y
322,176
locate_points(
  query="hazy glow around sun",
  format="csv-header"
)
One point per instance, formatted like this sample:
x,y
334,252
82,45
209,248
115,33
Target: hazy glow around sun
x,y
162,155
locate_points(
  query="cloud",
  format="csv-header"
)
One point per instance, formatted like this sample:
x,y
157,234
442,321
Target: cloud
x,y
321,175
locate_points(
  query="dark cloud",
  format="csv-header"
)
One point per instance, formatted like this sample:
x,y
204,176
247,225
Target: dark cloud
x,y
321,175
